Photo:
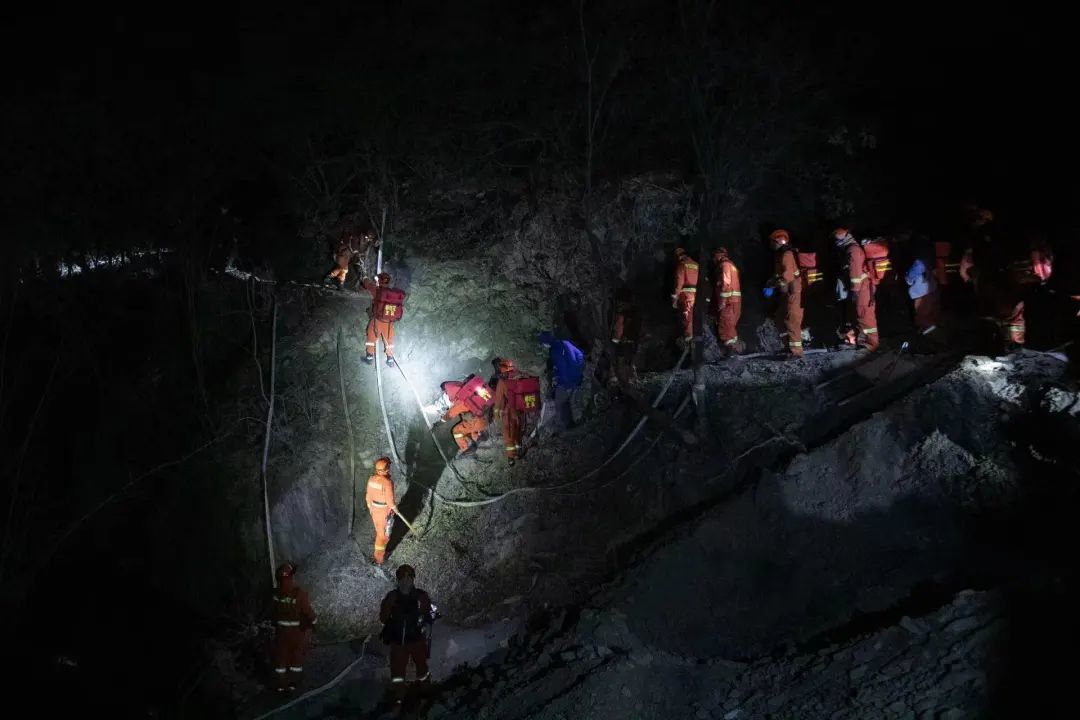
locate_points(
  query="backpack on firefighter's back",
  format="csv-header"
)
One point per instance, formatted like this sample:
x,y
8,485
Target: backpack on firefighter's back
x,y
524,392
808,267
389,304
476,395
878,264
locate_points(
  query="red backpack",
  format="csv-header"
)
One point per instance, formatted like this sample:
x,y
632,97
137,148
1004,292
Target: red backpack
x,y
878,264
524,393
389,304
807,262
476,395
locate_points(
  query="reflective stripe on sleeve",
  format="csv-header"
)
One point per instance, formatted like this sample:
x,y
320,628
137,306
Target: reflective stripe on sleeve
x,y
795,343
288,623
397,680
377,503
870,331
733,293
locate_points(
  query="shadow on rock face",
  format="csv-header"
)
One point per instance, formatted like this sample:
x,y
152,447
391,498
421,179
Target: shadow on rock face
x,y
425,466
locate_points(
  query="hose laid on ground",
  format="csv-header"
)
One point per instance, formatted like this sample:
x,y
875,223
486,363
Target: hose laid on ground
x,y
319,690
430,426
382,402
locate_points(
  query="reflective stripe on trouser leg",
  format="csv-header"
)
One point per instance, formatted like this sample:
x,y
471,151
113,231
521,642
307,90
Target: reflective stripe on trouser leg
x,y
870,331
397,680
279,671
732,341
297,669
426,676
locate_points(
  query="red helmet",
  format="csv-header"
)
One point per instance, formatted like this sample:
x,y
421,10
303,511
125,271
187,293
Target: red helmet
x,y
779,237
406,570
382,465
286,571
506,365
383,278
720,253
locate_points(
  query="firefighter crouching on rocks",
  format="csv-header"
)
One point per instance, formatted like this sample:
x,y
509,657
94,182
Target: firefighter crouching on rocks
x,y
407,614
685,292
293,620
387,307
787,279
854,285
349,248
380,503
468,400
728,294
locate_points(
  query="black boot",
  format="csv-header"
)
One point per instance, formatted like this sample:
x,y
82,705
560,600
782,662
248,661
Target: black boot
x,y
369,358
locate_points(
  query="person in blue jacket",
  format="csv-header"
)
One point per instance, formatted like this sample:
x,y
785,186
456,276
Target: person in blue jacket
x,y
922,288
567,363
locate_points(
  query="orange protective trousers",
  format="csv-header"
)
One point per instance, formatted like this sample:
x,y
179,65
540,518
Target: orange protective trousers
x,y
727,321
1012,324
865,315
468,429
376,328
290,648
513,426
685,306
383,520
400,655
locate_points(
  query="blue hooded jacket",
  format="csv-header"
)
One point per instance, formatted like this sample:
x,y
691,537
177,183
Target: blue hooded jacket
x,y
919,279
567,361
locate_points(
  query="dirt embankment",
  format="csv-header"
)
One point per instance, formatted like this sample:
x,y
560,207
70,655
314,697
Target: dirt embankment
x,y
793,595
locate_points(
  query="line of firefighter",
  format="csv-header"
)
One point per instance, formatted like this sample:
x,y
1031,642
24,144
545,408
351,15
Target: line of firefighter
x,y
406,613
863,264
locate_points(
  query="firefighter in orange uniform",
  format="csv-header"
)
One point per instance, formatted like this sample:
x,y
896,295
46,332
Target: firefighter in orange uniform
x,y
728,293
788,281
349,247
380,503
685,292
512,419
859,289
293,620
468,401
376,325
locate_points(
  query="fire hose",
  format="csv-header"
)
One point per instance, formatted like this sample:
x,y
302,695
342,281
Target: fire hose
x,y
582,478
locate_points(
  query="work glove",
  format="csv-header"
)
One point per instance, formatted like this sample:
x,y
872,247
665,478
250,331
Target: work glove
x,y
768,291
